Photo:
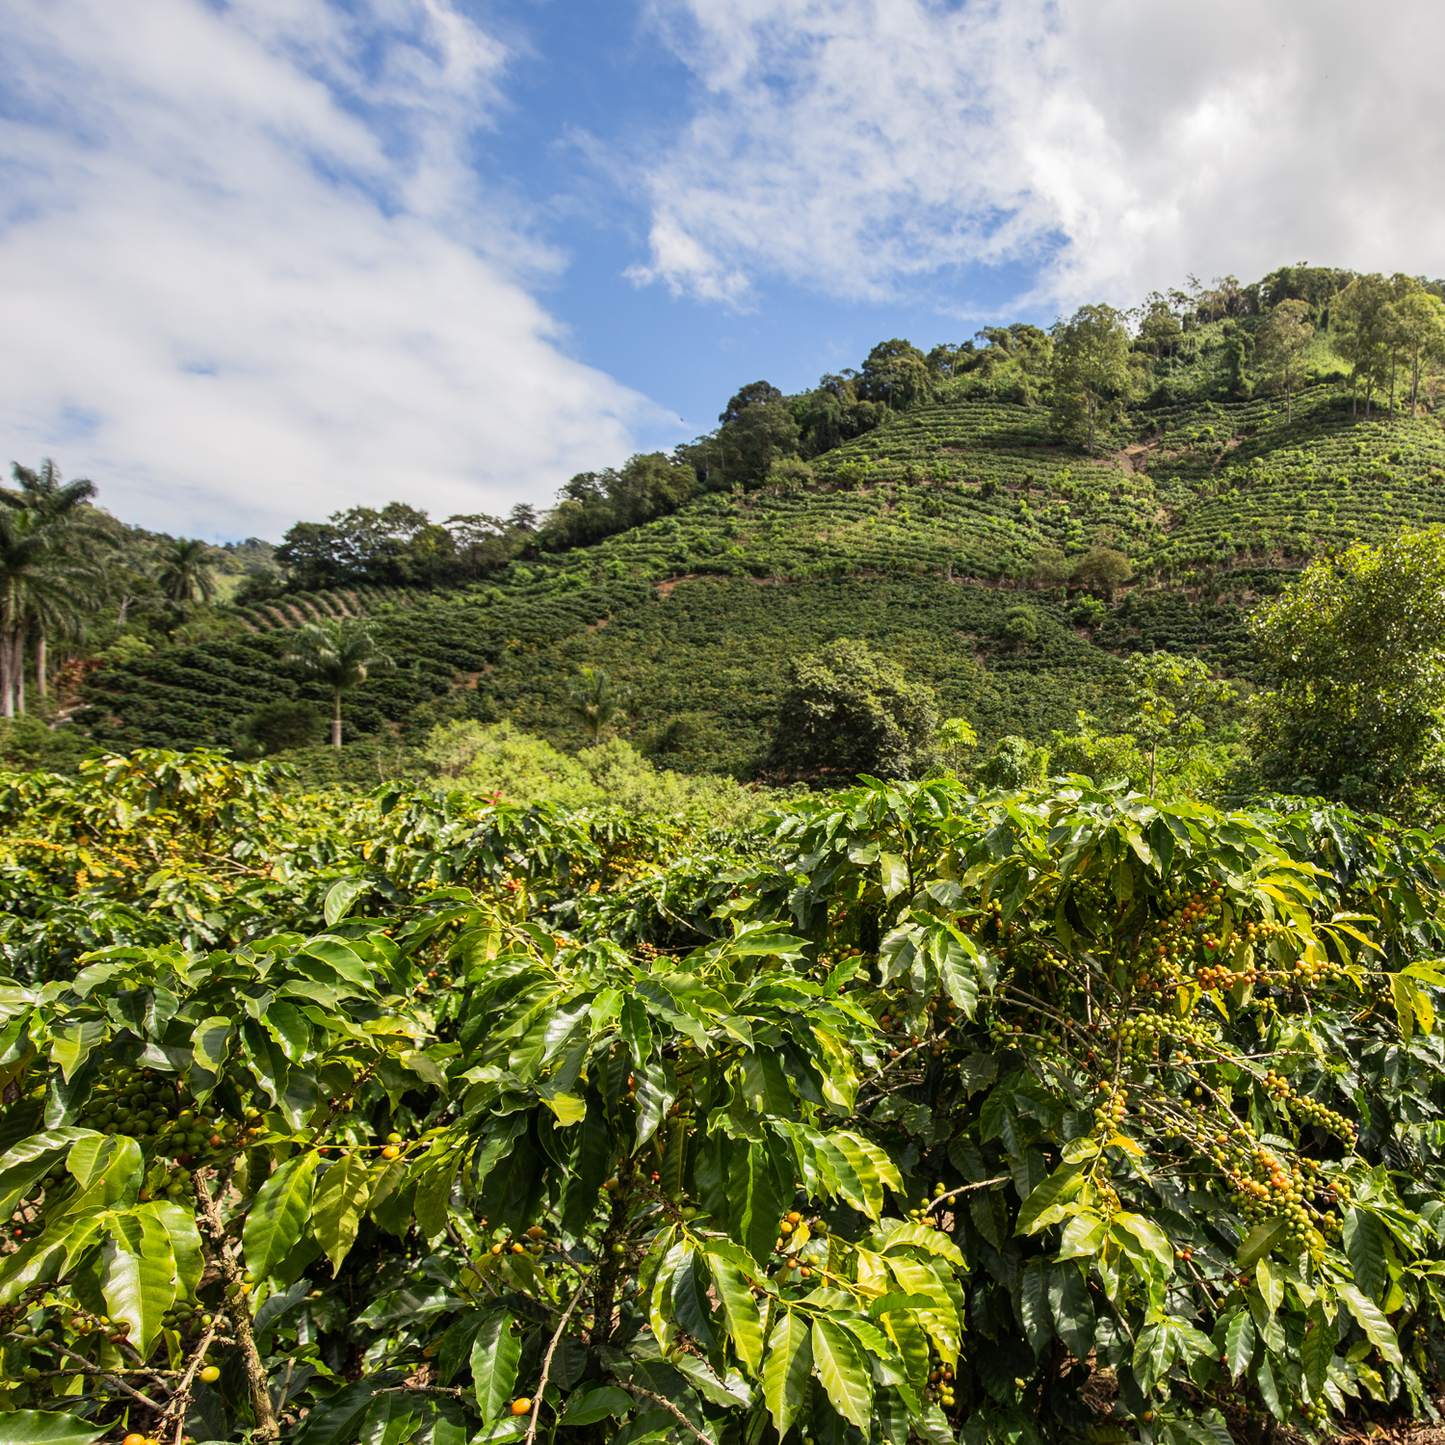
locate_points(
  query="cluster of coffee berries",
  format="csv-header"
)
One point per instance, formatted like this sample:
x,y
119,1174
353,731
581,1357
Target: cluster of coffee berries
x,y
1110,1114
940,1383
793,1234
147,1106
533,1242
1310,1110
1267,1188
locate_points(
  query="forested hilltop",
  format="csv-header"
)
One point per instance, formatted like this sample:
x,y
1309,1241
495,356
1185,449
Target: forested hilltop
x,y
1009,519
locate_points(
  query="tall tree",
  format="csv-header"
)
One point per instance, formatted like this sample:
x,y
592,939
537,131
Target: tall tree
x,y
74,529
42,588
1171,699
1281,342
1420,336
184,574
1366,316
1091,368
340,654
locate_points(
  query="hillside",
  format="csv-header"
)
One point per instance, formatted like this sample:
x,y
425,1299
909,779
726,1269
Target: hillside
x,y
918,537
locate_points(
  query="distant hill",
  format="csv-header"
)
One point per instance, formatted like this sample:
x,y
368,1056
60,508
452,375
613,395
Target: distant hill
x,y
918,534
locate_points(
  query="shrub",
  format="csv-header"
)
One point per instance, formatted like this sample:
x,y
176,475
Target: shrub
x,y
278,726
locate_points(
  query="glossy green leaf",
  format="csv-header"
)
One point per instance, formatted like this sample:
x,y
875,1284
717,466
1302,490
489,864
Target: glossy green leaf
x,y
1040,1208
587,1407
496,1350
740,1309
340,897
391,1419
47,1427
690,1306
1239,1343
1262,1238
1072,1308
185,1244
139,1286
893,871
1038,1319
279,1214
1365,1246
1269,1389
211,1043
340,1198
1369,1318
1083,1236
1317,1349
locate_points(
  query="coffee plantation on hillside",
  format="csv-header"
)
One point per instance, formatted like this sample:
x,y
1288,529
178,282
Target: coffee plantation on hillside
x,y
902,1115
1215,502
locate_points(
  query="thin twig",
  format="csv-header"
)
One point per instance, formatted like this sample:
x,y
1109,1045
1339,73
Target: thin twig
x,y
551,1350
95,1370
893,1063
967,1189
115,1379
670,1408
182,1395
427,1390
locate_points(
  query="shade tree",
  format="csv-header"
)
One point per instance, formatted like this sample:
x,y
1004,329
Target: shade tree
x,y
1281,343
1356,653
1090,370
849,710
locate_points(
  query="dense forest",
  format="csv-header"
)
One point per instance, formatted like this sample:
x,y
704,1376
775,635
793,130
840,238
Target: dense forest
x,y
916,917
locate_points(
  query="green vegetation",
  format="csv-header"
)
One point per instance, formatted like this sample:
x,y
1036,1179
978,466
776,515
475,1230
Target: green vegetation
x,y
1357,650
1009,518
518,1066
848,711
1052,1116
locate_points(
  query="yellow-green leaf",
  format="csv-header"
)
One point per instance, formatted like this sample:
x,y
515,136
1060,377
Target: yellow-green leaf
x,y
843,1369
787,1369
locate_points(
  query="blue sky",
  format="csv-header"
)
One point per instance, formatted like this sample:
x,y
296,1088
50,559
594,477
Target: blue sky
x,y
260,259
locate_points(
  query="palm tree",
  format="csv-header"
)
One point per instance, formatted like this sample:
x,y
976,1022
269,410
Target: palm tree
x,y
73,526
340,654
594,702
42,588
184,574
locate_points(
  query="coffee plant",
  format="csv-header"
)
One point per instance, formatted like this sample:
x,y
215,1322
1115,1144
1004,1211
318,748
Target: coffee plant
x,y
913,1116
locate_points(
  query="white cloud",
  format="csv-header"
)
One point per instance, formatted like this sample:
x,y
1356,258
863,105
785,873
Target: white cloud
x,y
868,147
247,276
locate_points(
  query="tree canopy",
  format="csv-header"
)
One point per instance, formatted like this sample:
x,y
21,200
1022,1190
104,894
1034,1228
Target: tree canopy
x,y
847,710
1357,652
1090,369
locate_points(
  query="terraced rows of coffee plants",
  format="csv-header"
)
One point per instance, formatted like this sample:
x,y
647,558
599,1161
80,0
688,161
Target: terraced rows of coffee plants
x,y
201,696
714,651
1262,489
297,608
977,489
956,528
1216,496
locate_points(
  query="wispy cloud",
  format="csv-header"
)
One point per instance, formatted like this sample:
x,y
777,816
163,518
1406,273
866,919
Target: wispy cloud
x,y
247,273
872,148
